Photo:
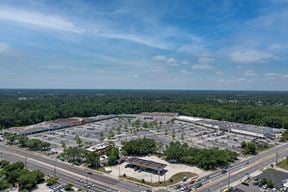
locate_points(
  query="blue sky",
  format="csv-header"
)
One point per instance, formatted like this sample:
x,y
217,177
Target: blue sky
x,y
134,44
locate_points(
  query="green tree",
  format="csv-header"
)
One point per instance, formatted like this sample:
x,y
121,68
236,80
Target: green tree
x,y
141,146
52,181
166,131
78,140
101,136
112,154
173,134
92,159
119,130
4,184
110,135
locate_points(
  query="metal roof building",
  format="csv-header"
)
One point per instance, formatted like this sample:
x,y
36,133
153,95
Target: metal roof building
x,y
146,164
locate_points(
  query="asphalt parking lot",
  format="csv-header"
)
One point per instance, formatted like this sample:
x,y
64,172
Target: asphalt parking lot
x,y
162,129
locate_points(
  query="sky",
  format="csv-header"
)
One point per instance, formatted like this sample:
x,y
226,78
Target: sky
x,y
144,44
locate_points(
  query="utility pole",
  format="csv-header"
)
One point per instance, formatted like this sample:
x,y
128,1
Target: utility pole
x,y
276,157
119,170
25,161
54,171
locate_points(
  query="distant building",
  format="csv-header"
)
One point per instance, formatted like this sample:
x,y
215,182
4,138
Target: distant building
x,y
99,148
47,126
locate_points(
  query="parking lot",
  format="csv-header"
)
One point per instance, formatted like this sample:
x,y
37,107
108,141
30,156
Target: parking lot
x,y
160,128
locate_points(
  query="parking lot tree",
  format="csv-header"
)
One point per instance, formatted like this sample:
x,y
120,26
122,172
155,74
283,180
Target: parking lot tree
x,y
92,159
267,182
63,145
141,146
173,134
78,140
243,145
118,130
68,187
137,123
166,131
52,181
101,136
145,125
110,135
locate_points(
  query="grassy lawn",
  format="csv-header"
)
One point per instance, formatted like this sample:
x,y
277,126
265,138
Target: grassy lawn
x,y
173,180
283,164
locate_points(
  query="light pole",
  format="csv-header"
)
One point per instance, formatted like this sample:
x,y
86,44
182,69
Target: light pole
x,y
25,161
229,177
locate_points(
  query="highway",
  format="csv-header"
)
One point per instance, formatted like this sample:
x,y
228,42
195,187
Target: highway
x,y
66,172
239,170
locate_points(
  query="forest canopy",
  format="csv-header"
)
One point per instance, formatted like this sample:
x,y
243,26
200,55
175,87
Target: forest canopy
x,y
25,107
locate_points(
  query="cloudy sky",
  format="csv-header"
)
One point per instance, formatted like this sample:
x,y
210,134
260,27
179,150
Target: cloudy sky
x,y
134,44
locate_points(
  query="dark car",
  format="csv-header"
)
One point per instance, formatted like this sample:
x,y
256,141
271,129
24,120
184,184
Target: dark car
x,y
224,171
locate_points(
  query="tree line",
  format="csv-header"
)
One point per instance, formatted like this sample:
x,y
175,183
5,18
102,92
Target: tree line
x,y
26,107
24,141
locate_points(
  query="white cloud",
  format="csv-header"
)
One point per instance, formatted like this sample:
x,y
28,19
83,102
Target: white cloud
x,y
198,50
251,56
38,19
160,58
204,63
220,72
184,72
169,60
136,76
206,60
185,62
3,47
276,76
250,73
133,38
202,67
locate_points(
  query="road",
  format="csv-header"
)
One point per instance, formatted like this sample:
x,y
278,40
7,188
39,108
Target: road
x,y
240,170
66,172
